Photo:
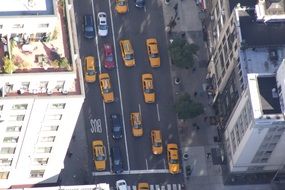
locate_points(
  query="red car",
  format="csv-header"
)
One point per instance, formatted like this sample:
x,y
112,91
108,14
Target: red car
x,y
108,57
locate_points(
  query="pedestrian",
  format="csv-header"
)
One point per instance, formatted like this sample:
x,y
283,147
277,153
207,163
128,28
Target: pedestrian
x,y
175,7
193,69
69,154
195,94
197,127
194,124
208,155
205,118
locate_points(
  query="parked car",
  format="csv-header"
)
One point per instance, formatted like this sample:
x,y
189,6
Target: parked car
x,y
106,88
102,24
117,163
121,6
140,3
99,155
89,29
109,62
89,69
117,126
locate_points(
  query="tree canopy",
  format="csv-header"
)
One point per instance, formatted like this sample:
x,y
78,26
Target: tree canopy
x,y
182,53
186,108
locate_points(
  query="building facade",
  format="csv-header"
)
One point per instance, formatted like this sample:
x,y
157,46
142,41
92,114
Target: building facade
x,y
246,49
39,106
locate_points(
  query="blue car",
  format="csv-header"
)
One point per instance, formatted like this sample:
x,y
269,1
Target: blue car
x,y
117,163
117,126
140,3
89,29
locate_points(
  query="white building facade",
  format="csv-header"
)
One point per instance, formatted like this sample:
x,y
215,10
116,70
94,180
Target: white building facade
x,y
38,112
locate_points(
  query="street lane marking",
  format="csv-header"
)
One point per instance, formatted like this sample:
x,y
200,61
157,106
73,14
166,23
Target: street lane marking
x,y
157,110
174,186
133,172
162,187
164,163
140,110
134,187
157,187
96,126
119,84
168,187
129,188
146,164
179,186
151,187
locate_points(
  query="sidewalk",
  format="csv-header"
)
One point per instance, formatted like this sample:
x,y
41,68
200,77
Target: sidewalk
x,y
198,142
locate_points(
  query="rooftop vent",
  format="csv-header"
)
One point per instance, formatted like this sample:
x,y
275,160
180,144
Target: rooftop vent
x,y
274,93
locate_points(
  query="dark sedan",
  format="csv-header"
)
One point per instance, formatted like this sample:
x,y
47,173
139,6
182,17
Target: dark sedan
x,y
140,3
117,163
117,126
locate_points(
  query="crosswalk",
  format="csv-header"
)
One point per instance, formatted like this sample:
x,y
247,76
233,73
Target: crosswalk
x,y
159,187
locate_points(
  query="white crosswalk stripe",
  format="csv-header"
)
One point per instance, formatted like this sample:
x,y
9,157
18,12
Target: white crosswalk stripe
x,y
168,187
179,186
151,187
157,187
163,187
134,187
129,188
174,187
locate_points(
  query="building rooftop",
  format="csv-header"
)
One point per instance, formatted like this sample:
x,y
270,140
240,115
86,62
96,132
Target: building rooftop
x,y
260,33
243,3
269,98
26,7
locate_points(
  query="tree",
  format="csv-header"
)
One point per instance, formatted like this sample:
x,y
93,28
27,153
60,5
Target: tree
x,y
186,108
9,67
182,53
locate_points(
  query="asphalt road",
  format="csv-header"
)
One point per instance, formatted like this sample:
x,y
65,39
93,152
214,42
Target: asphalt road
x,y
137,25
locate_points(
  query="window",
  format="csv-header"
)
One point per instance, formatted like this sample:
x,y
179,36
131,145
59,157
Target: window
x,y
58,106
8,150
10,140
41,161
1,107
1,26
25,85
54,117
263,160
4,175
18,26
13,128
50,128
44,25
37,173
43,150
6,161
47,139
17,117
19,107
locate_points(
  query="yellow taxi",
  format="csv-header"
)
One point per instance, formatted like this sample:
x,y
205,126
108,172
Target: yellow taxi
x,y
89,69
148,88
153,53
99,155
106,88
136,123
156,141
121,6
127,53
173,158
143,186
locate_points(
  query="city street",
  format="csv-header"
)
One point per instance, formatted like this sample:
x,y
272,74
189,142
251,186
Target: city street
x,y
138,161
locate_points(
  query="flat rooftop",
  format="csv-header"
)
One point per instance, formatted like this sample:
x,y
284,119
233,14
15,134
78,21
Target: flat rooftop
x,y
260,34
26,7
268,95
